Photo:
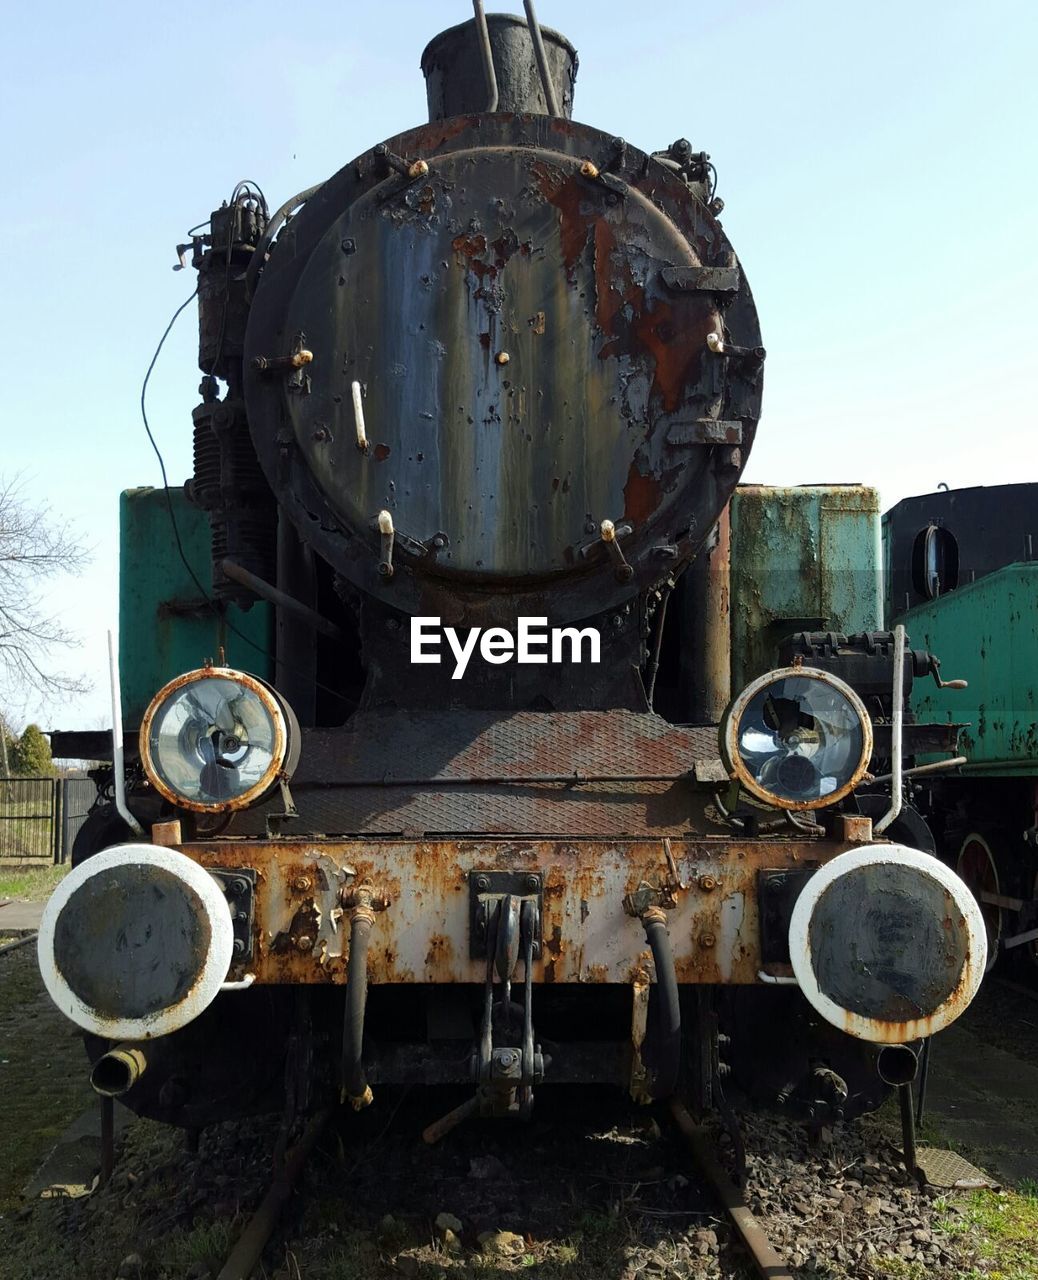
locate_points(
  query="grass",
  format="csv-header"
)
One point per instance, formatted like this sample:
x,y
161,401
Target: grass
x,y
30,884
1003,1229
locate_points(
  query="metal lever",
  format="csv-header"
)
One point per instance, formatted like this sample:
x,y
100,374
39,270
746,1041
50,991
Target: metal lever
x,y
386,533
935,671
611,534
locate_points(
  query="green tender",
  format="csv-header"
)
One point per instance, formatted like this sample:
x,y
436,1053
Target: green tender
x,y
165,627
986,633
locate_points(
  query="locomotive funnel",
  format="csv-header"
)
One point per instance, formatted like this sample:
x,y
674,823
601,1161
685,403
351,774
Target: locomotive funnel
x,y
456,82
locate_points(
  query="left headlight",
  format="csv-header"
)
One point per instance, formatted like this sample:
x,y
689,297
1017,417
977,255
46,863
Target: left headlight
x,y
217,739
797,738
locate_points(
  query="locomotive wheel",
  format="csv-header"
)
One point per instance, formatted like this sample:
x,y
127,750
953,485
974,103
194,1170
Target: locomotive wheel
x,y
977,867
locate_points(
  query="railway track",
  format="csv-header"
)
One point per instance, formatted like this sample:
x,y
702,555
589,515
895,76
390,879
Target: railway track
x,y
245,1256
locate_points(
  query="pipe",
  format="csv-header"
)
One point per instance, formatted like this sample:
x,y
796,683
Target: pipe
x,y
898,710
936,767
273,226
118,1070
118,774
355,1087
897,1064
668,1026
904,1097
487,54
314,620
765,1259
542,60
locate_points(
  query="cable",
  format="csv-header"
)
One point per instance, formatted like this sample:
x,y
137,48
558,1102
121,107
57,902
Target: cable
x,y
213,604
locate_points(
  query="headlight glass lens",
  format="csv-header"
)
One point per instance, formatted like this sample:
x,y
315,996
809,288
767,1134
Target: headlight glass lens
x,y
801,739
214,739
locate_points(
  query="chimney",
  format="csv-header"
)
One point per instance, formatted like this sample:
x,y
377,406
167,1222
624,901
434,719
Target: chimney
x,y
456,83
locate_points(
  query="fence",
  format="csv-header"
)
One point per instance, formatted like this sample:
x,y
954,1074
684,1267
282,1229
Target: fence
x,y
40,817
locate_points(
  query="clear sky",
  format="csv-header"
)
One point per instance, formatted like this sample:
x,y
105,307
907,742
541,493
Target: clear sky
x,y
877,161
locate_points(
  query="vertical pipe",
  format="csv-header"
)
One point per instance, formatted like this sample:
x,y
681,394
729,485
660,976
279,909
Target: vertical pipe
x,y
118,773
924,1075
897,721
706,651
487,54
904,1094
295,673
542,59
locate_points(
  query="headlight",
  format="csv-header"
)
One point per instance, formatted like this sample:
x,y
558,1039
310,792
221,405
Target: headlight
x,y
217,739
797,738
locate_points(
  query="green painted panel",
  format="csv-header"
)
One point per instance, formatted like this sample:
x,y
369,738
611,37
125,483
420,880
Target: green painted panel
x,y
803,559
165,627
986,633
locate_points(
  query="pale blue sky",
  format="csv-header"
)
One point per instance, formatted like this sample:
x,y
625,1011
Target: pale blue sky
x,y
877,161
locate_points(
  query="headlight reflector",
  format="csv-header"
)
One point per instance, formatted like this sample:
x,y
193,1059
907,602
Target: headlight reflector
x,y
797,738
217,739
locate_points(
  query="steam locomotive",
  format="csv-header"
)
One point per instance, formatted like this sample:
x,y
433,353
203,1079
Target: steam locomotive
x,y
484,395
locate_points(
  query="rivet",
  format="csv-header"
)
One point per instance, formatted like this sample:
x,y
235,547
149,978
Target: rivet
x,y
304,942
482,883
707,940
532,883
301,884
502,357
418,170
707,883
589,170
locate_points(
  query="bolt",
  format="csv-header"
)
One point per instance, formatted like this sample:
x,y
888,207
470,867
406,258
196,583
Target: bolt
x,y
707,883
533,883
509,1058
482,883
301,884
502,357
392,624
349,245
589,170
239,947
418,170
321,434
238,886
304,942
707,940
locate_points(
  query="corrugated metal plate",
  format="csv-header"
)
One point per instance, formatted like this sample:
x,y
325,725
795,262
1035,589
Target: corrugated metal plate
x,y
418,773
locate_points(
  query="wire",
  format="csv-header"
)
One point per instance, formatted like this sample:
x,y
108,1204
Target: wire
x,y
214,605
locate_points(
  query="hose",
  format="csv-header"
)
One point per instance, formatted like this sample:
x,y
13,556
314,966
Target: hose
x,y
355,1087
667,1039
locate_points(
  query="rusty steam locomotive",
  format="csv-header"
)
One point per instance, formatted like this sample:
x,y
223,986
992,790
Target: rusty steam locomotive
x,y
484,396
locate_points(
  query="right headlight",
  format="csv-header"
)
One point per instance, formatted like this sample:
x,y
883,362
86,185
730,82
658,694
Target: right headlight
x,y
217,739
797,738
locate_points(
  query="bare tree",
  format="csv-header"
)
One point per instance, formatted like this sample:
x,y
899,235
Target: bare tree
x,y
34,545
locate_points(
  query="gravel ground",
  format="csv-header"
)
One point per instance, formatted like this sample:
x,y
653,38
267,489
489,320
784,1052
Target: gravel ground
x,y
568,1198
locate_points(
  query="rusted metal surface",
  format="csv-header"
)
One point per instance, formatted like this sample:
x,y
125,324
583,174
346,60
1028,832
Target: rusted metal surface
x,y
504,246
803,558
354,780
424,935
